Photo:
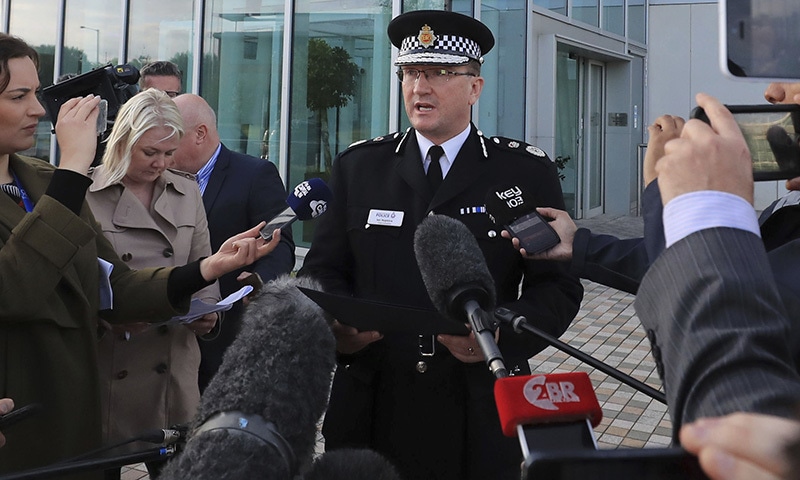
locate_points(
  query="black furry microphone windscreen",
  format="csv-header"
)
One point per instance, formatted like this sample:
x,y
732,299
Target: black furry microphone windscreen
x,y
449,258
279,367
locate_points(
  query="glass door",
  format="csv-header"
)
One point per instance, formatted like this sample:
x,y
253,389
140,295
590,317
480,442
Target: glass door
x,y
593,136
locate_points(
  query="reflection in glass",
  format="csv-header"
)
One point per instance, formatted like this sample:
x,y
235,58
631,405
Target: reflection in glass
x,y
502,103
341,74
92,37
614,16
557,6
594,147
241,77
161,30
637,21
567,122
27,22
586,11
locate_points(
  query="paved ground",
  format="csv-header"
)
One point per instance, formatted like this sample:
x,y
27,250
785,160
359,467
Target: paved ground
x,y
606,328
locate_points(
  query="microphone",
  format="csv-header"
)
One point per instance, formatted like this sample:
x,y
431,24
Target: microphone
x,y
166,436
309,199
515,210
257,417
548,412
458,281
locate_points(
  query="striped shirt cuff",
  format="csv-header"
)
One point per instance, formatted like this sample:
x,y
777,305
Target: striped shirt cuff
x,y
695,211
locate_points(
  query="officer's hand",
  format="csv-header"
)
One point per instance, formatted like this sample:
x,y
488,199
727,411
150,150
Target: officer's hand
x,y
349,340
465,347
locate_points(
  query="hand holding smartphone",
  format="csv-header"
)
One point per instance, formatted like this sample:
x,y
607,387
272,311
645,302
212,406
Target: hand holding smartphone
x,y
772,133
19,414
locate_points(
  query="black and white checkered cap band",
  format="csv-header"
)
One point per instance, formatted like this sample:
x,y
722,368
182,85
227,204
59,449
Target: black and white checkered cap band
x,y
445,49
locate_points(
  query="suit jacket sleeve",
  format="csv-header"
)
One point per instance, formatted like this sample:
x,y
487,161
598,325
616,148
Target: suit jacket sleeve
x,y
605,259
617,263
718,329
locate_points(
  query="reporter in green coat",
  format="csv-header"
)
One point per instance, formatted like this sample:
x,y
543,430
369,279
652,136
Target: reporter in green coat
x,y
50,301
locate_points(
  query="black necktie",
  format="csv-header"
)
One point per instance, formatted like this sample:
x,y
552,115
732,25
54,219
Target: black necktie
x,y
435,169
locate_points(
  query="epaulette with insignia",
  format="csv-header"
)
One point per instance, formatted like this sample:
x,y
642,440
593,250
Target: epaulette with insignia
x,y
377,140
519,147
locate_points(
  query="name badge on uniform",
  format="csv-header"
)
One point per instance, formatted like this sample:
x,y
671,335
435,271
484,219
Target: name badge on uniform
x,y
385,218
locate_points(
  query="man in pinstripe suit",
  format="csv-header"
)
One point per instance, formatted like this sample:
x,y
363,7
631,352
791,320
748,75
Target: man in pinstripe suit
x,y
718,328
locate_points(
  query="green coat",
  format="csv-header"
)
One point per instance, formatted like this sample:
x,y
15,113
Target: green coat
x,y
49,301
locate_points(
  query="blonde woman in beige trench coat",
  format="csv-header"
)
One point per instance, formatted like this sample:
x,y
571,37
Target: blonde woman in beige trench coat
x,y
153,217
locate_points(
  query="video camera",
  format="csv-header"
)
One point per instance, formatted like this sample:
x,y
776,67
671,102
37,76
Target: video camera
x,y
115,84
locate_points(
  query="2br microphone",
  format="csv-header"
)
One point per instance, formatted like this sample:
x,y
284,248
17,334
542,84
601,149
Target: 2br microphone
x,y
309,199
515,209
548,412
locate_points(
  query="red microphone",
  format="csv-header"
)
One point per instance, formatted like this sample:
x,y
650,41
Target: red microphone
x,y
548,412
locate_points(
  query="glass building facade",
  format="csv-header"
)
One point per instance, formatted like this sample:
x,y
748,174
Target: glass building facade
x,y
295,82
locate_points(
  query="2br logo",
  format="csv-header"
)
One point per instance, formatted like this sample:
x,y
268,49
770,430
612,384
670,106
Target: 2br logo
x,y
546,395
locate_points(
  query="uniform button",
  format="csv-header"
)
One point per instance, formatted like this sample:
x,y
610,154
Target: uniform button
x,y
431,213
422,367
122,374
126,257
168,252
161,368
492,234
163,329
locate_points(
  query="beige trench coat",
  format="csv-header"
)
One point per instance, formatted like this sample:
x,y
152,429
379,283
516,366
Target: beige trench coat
x,y
149,379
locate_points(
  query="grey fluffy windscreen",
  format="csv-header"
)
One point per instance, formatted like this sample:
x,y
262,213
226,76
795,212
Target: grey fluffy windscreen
x,y
278,367
449,258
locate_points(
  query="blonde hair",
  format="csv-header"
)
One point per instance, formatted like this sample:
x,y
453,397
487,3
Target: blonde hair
x,y
146,110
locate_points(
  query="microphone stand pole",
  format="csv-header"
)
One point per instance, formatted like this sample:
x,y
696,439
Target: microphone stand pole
x,y
60,469
483,325
520,323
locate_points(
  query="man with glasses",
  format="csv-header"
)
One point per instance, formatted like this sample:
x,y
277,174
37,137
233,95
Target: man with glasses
x,y
161,75
426,402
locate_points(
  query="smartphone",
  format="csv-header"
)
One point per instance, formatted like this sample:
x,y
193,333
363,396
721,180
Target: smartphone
x,y
534,233
758,39
102,117
282,220
648,463
19,414
771,133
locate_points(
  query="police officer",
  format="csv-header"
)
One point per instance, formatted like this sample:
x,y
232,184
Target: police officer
x,y
426,402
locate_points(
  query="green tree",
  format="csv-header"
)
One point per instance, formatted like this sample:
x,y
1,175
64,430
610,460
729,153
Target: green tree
x,y
331,84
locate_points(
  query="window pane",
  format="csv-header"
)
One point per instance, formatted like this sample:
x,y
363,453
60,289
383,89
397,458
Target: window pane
x,y
241,79
586,11
614,16
502,103
27,22
161,30
558,6
341,74
93,36
637,21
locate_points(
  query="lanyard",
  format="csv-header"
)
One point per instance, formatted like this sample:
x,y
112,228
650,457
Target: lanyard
x,y
26,200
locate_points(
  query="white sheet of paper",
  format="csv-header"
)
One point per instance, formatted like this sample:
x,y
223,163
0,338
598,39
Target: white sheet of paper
x,y
198,308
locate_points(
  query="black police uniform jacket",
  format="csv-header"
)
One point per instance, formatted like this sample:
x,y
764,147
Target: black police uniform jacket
x,y
437,419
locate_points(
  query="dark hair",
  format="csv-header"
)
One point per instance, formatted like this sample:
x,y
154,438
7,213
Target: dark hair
x,y
161,68
13,47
